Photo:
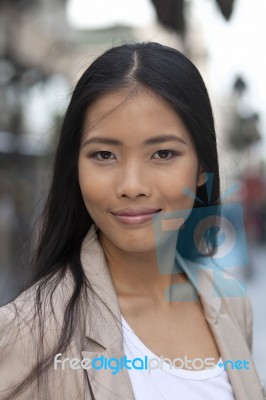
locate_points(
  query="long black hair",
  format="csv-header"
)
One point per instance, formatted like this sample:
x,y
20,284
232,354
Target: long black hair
x,y
65,219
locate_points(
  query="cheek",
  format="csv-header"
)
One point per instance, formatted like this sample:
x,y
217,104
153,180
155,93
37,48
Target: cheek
x,y
92,188
93,196
180,186
96,192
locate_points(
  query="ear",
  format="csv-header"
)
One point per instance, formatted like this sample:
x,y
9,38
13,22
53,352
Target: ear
x,y
202,177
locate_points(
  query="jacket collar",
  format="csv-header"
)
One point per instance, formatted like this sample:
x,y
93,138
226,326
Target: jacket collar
x,y
104,333
100,327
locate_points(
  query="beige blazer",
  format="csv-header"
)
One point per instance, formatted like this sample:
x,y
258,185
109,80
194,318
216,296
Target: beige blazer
x,y
230,319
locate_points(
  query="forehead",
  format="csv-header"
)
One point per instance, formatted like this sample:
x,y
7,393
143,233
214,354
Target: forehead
x,y
121,112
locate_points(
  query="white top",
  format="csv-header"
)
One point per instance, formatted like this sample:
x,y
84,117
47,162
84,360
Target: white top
x,y
170,383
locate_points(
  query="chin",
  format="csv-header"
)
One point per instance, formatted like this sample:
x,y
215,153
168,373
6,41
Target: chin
x,y
135,245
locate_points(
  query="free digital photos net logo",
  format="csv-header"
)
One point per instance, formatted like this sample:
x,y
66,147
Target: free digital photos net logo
x,y
211,237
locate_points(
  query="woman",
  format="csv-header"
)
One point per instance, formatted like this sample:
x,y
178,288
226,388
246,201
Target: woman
x,y
138,138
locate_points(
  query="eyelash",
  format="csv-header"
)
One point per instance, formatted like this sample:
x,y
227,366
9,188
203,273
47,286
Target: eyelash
x,y
95,154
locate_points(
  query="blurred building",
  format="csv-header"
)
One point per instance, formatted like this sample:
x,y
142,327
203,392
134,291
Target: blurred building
x,y
34,45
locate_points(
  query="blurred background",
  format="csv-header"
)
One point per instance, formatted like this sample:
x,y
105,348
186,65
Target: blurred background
x,y
45,45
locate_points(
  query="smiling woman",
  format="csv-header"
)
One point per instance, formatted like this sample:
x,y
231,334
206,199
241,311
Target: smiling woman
x,y
138,136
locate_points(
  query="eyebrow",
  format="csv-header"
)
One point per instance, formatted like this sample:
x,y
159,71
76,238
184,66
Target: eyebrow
x,y
147,142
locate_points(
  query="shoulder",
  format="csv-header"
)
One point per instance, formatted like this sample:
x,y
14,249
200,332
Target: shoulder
x,y
18,320
235,302
25,339
223,294
220,289
52,297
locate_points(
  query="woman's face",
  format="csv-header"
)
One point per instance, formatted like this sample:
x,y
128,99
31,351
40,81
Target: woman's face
x,y
138,156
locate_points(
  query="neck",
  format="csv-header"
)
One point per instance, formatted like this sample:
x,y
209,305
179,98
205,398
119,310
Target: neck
x,y
145,274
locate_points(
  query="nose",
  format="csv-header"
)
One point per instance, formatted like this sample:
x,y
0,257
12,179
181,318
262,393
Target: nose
x,y
133,181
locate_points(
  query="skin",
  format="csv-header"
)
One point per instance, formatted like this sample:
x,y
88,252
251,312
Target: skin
x,y
136,175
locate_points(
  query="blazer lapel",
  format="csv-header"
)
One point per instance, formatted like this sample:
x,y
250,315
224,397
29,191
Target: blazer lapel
x,y
104,339
227,333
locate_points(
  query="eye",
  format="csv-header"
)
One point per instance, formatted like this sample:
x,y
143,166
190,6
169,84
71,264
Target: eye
x,y
101,155
166,154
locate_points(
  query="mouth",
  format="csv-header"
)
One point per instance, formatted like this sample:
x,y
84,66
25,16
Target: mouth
x,y
136,219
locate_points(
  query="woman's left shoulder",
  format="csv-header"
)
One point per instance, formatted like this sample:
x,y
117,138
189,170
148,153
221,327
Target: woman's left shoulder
x,y
236,302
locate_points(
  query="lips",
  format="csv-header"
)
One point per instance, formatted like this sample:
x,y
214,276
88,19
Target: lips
x,y
136,211
135,216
